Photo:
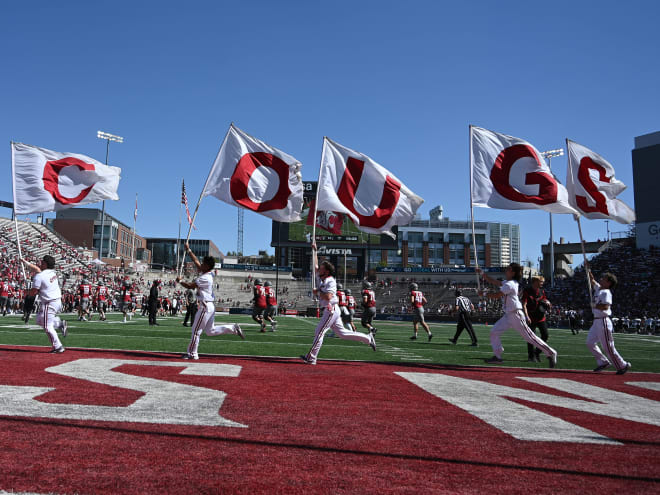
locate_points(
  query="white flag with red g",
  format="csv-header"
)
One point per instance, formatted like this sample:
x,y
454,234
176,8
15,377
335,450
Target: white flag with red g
x,y
352,183
252,174
592,188
509,173
45,180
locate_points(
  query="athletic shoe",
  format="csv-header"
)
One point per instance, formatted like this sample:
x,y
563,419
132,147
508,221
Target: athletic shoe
x,y
372,341
493,359
59,350
452,341
414,337
601,367
190,356
185,324
373,330
307,361
430,337
273,327
239,331
64,328
263,329
537,358
474,344
624,370
552,360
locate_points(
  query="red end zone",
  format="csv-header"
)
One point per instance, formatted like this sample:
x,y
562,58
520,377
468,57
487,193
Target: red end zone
x,y
269,425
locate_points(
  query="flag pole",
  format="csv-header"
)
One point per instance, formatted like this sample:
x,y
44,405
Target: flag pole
x,y
584,255
178,239
474,235
18,237
316,201
134,222
201,195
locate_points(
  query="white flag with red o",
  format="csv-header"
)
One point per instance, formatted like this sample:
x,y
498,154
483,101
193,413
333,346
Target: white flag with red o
x,y
592,188
509,173
354,184
45,180
251,174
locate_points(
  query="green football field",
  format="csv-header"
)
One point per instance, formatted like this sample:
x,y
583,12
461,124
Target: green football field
x,y
294,337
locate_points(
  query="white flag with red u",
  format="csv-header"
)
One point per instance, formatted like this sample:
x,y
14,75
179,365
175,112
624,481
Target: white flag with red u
x,y
45,180
592,188
352,183
509,173
252,174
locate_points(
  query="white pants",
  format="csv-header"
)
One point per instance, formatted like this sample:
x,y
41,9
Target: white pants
x,y
204,323
47,318
516,321
601,332
331,319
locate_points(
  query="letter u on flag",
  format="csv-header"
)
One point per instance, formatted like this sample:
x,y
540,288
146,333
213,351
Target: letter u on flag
x,y
509,173
251,174
354,184
45,180
592,188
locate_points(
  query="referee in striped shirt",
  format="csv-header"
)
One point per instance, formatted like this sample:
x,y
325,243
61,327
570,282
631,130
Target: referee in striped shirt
x,y
464,306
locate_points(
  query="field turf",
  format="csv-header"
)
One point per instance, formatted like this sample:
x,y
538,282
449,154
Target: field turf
x,y
294,337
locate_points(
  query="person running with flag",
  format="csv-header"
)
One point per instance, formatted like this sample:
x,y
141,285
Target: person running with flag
x,y
331,318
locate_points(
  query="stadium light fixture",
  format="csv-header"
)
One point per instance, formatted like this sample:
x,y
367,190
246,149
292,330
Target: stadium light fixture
x,y
549,155
117,139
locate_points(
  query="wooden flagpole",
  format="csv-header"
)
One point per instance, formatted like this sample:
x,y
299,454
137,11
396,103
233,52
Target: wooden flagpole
x,y
316,201
18,237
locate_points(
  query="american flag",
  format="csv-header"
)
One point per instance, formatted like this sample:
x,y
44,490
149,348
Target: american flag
x,y
135,213
184,200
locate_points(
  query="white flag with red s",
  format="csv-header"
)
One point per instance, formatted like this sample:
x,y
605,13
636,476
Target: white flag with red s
x,y
509,173
592,188
252,174
354,184
45,180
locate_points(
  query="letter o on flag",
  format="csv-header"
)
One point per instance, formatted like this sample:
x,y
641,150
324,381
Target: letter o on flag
x,y
51,177
238,185
499,175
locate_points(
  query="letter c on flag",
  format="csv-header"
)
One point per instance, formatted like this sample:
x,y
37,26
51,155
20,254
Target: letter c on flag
x,y
499,175
52,171
388,201
238,184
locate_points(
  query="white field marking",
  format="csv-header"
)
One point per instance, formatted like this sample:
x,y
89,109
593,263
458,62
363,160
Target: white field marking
x,y
489,402
648,385
400,353
163,402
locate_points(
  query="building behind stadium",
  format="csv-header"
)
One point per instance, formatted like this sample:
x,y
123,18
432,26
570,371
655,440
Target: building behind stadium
x,y
646,176
436,245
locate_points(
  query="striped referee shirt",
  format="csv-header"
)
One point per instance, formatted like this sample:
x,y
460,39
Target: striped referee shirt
x,y
464,304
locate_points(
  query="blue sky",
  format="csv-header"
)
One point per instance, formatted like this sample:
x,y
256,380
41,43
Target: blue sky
x,y
399,81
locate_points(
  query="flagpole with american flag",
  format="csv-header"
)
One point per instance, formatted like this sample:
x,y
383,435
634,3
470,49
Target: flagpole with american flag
x,y
191,225
178,238
135,214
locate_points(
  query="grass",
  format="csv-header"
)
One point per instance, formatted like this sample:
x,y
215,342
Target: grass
x,y
294,337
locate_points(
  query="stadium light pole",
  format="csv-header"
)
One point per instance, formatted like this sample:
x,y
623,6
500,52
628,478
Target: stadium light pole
x,y
549,155
117,139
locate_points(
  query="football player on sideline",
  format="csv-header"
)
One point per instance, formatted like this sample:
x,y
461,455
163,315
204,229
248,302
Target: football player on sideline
x,y
331,318
368,307
417,300
45,284
205,305
271,305
259,304
513,315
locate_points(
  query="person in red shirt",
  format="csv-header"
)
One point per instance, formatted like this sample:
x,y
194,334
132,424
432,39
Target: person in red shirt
x,y
101,300
126,299
535,304
4,296
418,301
368,307
350,305
271,305
85,292
259,304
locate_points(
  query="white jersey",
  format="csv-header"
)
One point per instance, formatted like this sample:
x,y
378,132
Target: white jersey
x,y
602,297
48,285
511,302
205,287
328,285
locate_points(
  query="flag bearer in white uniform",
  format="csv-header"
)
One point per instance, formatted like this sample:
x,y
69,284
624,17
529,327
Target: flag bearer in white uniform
x,y
45,284
601,330
331,318
205,305
514,317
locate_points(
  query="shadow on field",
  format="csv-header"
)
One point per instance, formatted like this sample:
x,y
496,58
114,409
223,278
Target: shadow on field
x,y
331,450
